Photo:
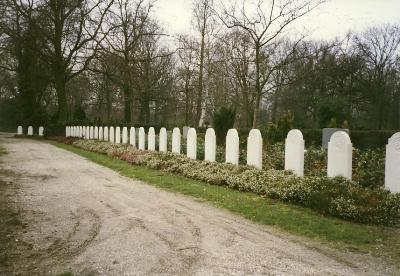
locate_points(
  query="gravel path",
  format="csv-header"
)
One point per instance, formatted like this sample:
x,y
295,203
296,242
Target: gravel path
x,y
80,217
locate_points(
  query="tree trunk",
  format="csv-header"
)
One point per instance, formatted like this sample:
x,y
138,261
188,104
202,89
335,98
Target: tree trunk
x,y
127,105
258,85
199,105
256,108
61,97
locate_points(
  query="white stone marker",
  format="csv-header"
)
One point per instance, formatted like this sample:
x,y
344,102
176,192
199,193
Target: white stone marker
x,y
132,137
101,135
41,131
30,130
210,145
176,140
294,152
254,148
163,140
117,135
96,133
105,134
191,143
124,135
20,131
392,164
111,135
340,155
142,139
151,139
232,147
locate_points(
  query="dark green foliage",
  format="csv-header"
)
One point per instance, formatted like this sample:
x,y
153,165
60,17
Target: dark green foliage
x,y
277,132
224,119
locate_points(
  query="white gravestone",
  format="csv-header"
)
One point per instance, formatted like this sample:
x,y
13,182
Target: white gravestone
x,y
254,149
117,135
41,131
392,164
210,145
100,136
151,139
191,143
105,134
142,139
176,140
111,135
340,155
124,135
20,131
132,137
30,130
185,130
232,147
162,145
294,152
96,133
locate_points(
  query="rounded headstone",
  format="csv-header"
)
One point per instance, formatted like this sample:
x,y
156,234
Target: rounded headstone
x,y
176,140
105,134
117,135
41,131
132,137
111,135
340,155
294,152
124,135
392,164
254,148
210,145
191,143
151,139
232,147
142,138
162,145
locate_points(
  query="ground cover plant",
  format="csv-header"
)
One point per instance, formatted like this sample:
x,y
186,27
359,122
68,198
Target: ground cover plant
x,y
335,197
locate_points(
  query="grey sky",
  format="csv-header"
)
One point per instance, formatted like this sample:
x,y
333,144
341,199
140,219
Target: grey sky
x,y
332,19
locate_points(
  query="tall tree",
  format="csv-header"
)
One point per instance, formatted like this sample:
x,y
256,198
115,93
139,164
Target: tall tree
x,y
266,24
72,31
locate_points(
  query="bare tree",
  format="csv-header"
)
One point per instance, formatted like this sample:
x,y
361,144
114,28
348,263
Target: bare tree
x,y
203,19
266,25
129,23
380,48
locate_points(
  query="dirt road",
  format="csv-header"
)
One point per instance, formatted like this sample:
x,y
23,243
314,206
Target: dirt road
x,y
71,215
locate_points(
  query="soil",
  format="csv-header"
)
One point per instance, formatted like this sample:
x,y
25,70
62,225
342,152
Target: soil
x,y
64,215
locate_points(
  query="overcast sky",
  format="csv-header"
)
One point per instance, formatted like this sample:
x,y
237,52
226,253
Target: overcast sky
x,y
334,18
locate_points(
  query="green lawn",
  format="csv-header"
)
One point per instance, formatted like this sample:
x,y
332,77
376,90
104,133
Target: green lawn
x,y
293,219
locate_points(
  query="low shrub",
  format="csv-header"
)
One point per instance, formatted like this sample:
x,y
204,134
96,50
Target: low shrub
x,y
329,196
